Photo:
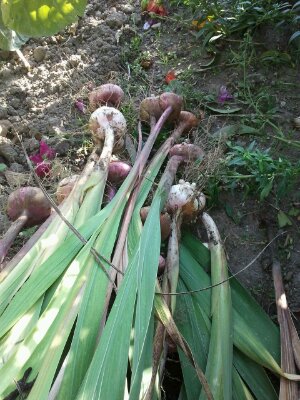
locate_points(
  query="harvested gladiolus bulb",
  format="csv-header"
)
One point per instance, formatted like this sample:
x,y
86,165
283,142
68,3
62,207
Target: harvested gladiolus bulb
x,y
153,107
187,151
107,94
165,222
65,187
26,207
107,119
186,198
118,171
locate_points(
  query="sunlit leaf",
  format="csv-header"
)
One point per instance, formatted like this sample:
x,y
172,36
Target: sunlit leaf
x,y
40,17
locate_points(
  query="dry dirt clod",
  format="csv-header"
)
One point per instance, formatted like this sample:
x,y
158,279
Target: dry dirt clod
x,y
297,123
39,53
6,149
5,126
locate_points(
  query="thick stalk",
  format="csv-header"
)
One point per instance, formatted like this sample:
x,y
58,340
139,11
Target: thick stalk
x,y
173,257
172,263
93,198
7,268
11,234
288,389
219,362
132,178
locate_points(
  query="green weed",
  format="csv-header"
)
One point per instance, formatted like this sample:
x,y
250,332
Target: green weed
x,y
255,171
222,19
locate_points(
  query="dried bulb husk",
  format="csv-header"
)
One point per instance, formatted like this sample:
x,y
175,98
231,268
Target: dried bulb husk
x,y
189,152
171,99
188,121
103,118
150,107
155,106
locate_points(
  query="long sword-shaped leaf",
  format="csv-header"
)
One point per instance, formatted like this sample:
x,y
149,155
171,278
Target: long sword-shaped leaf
x,y
87,327
253,331
219,363
40,281
239,390
20,330
50,362
195,326
30,353
111,356
147,272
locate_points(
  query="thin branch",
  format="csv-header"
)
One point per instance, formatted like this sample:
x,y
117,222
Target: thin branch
x,y
23,59
231,276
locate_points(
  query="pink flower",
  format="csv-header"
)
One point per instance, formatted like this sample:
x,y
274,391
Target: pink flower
x,y
224,95
42,158
80,106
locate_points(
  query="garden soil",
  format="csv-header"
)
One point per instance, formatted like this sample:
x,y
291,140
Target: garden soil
x,y
106,46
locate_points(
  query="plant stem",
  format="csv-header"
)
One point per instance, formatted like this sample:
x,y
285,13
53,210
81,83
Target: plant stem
x,y
134,176
288,389
7,268
11,234
294,143
23,59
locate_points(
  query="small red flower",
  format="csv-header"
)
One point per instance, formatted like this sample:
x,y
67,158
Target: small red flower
x,y
170,76
155,7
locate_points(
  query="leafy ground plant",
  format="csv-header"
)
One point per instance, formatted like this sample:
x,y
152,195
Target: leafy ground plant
x,y
221,19
256,171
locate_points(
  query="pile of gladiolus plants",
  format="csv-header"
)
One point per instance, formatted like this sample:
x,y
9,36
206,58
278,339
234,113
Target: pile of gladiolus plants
x,y
113,282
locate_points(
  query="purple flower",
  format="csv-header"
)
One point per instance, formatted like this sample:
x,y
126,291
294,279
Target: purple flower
x,y
80,106
42,158
224,95
147,25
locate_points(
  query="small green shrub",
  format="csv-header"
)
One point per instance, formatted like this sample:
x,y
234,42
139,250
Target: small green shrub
x,y
255,171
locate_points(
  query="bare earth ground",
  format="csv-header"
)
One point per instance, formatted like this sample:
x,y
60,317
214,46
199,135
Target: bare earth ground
x,y
109,44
